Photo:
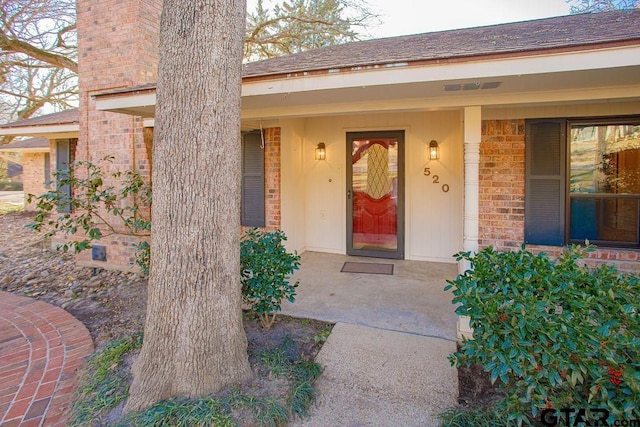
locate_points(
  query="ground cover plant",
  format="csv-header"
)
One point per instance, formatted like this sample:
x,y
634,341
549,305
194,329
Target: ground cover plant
x,y
552,333
108,382
282,387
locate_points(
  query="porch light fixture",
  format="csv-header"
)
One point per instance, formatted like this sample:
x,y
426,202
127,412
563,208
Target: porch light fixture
x,y
321,151
434,152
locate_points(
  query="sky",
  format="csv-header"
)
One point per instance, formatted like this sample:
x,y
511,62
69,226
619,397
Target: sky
x,y
401,17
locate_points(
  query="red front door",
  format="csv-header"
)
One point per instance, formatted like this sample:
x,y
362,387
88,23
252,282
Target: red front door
x,y
375,194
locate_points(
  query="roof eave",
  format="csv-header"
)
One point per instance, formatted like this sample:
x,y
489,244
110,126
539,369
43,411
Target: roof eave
x,y
43,131
442,60
25,150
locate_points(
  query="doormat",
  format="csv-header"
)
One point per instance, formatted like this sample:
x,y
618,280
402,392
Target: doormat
x,y
367,267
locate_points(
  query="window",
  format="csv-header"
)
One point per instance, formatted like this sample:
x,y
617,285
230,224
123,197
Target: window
x,y
47,170
583,182
604,186
253,200
65,155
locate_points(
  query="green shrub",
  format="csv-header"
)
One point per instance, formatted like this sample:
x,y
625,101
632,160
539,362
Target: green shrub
x,y
554,332
99,199
265,269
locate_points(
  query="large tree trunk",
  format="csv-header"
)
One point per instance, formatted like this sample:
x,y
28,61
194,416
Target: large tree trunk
x,y
194,343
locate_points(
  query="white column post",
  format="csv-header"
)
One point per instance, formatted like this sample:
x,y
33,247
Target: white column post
x,y
472,138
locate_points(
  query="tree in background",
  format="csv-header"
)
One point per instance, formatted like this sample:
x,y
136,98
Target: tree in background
x,y
194,342
583,6
38,47
298,25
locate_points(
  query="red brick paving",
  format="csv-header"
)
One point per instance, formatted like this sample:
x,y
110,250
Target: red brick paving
x,y
41,350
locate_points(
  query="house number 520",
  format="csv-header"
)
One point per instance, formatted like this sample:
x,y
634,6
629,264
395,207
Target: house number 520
x,y
436,180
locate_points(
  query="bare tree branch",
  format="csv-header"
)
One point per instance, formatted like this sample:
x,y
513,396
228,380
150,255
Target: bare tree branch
x,y
298,25
12,45
38,48
584,6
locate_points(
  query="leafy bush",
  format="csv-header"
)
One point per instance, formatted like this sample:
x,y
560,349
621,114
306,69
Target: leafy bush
x,y
265,269
94,206
554,332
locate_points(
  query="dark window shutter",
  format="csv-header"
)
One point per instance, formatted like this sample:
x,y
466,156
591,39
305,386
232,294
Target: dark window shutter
x,y
545,182
63,159
253,180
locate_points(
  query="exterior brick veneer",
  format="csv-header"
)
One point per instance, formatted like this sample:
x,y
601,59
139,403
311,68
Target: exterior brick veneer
x,y
502,192
33,178
118,42
118,47
272,178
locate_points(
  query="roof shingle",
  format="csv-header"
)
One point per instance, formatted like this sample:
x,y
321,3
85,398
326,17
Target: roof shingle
x,y
31,143
550,33
562,32
61,118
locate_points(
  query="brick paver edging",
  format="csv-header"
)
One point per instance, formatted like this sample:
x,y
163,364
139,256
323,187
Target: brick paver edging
x,y
42,348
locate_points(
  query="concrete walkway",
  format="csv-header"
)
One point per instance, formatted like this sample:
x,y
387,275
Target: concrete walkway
x,y
374,377
41,349
12,197
385,363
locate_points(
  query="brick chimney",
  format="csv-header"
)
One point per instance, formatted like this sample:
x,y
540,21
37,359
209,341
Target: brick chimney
x,y
117,48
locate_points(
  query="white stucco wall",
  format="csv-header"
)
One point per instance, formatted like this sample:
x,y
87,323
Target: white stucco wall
x,y
292,183
314,192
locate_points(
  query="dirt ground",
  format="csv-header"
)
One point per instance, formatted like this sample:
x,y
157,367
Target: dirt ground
x,y
475,388
111,304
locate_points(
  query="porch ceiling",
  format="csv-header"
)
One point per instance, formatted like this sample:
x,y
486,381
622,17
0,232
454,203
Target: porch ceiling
x,y
521,90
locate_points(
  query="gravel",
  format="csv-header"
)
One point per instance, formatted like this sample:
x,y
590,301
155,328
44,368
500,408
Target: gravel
x,y
111,304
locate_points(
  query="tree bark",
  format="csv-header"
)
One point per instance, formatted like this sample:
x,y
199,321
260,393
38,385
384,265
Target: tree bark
x,y
194,342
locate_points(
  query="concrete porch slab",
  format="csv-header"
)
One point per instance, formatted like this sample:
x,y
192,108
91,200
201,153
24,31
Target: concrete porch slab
x,y
411,300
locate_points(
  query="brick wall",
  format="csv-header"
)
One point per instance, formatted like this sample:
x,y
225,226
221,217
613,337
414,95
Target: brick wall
x,y
502,185
33,179
272,178
117,47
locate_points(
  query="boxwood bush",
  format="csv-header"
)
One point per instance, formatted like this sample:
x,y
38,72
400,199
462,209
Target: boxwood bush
x,y
554,333
266,266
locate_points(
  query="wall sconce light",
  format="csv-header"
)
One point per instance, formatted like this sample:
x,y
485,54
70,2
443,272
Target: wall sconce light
x,y
321,151
434,152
